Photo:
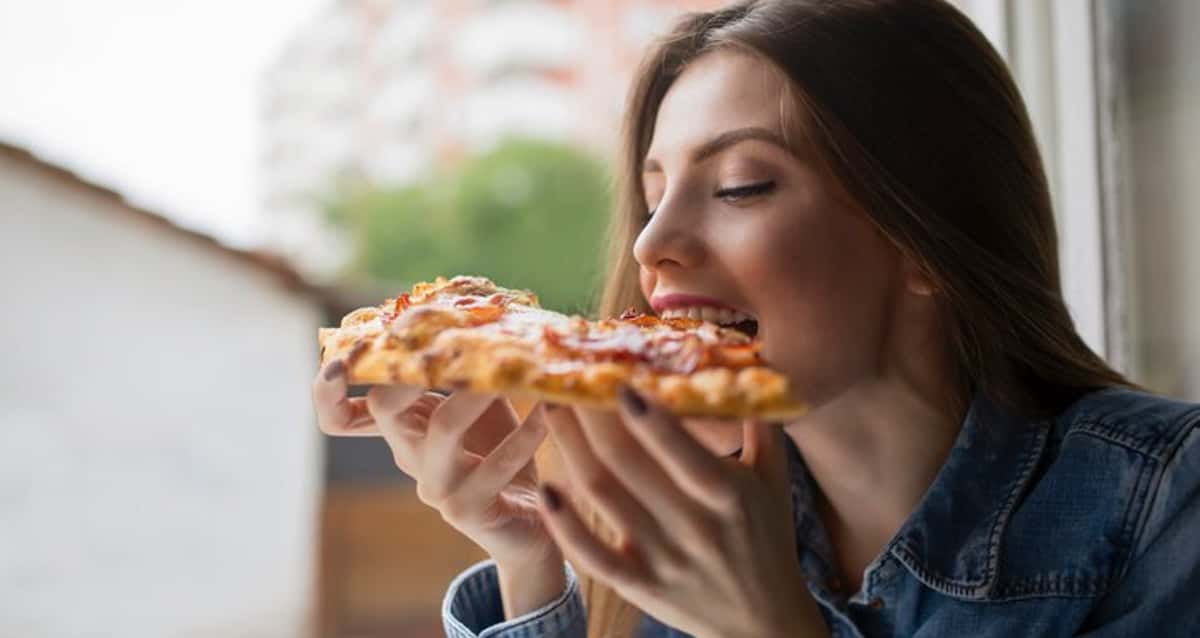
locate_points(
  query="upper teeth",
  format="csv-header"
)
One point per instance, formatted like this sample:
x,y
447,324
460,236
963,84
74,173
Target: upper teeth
x,y
723,316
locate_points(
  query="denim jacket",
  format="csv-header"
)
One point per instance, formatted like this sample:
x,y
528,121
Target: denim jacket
x,y
1087,524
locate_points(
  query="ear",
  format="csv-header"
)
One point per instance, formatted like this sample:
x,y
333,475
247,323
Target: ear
x,y
916,280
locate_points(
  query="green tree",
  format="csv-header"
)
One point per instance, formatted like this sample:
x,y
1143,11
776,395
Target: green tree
x,y
528,214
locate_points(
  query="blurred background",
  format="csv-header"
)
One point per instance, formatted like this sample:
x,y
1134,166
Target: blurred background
x,y
188,190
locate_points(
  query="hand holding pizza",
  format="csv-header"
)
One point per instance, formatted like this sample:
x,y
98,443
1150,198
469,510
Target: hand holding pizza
x,y
704,544
472,460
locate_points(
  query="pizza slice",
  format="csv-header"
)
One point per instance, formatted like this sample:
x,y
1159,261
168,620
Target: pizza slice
x,y
468,333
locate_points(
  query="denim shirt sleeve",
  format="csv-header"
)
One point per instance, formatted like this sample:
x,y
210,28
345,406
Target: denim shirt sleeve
x,y
1158,594
472,608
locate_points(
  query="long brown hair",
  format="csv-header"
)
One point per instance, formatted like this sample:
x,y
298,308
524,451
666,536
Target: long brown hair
x,y
917,118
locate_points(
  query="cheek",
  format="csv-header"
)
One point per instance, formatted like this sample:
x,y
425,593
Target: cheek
x,y
827,287
819,257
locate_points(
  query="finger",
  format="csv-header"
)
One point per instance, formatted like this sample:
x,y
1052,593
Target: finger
x,y
405,432
508,459
496,423
619,569
337,413
646,481
443,454
388,403
765,451
619,509
693,468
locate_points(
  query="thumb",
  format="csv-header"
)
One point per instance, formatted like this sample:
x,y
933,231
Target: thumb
x,y
764,450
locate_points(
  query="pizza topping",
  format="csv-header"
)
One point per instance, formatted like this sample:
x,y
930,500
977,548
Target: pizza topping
x,y
664,349
683,355
402,303
420,324
480,315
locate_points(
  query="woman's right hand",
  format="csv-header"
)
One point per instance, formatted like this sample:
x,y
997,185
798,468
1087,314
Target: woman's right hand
x,y
472,460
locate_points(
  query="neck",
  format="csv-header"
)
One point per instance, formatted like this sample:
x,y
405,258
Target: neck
x,y
873,452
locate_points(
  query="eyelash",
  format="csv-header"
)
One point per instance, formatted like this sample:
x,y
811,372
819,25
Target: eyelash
x,y
738,193
734,194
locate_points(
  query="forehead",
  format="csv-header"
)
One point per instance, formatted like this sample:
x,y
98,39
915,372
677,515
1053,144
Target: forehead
x,y
717,92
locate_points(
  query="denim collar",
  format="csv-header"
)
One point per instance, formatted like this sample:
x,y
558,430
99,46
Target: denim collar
x,y
951,541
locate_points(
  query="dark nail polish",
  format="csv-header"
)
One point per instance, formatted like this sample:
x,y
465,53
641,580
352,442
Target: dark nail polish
x,y
551,498
336,368
633,401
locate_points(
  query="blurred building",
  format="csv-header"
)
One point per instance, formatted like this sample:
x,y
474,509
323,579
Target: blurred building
x,y
387,90
160,472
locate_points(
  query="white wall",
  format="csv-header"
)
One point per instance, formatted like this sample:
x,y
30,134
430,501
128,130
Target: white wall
x,y
159,466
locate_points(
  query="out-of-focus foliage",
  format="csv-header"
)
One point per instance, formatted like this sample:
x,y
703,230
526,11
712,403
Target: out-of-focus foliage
x,y
529,214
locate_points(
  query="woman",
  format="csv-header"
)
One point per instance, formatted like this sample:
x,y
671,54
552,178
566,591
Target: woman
x,y
861,178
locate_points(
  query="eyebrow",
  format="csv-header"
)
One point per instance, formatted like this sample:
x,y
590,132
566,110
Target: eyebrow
x,y
724,141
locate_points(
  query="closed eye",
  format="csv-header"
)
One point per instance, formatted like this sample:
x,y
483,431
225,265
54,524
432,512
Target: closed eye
x,y
735,194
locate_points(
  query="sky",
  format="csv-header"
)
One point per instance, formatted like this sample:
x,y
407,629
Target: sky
x,y
155,99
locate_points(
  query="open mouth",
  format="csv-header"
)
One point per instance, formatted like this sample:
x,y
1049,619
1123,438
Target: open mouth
x,y
748,327
724,317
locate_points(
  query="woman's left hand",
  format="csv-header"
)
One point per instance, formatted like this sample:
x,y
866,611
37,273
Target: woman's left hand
x,y
704,544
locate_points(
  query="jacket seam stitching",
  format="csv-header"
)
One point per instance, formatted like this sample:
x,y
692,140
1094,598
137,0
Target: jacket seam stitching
x,y
1115,437
977,589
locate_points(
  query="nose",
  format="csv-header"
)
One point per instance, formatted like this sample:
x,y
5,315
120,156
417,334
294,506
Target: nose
x,y
669,239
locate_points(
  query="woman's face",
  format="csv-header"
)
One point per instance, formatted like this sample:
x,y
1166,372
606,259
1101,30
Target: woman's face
x,y
737,219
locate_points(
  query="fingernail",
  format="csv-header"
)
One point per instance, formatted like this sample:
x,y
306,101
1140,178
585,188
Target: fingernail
x,y
551,498
632,400
336,368
552,407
